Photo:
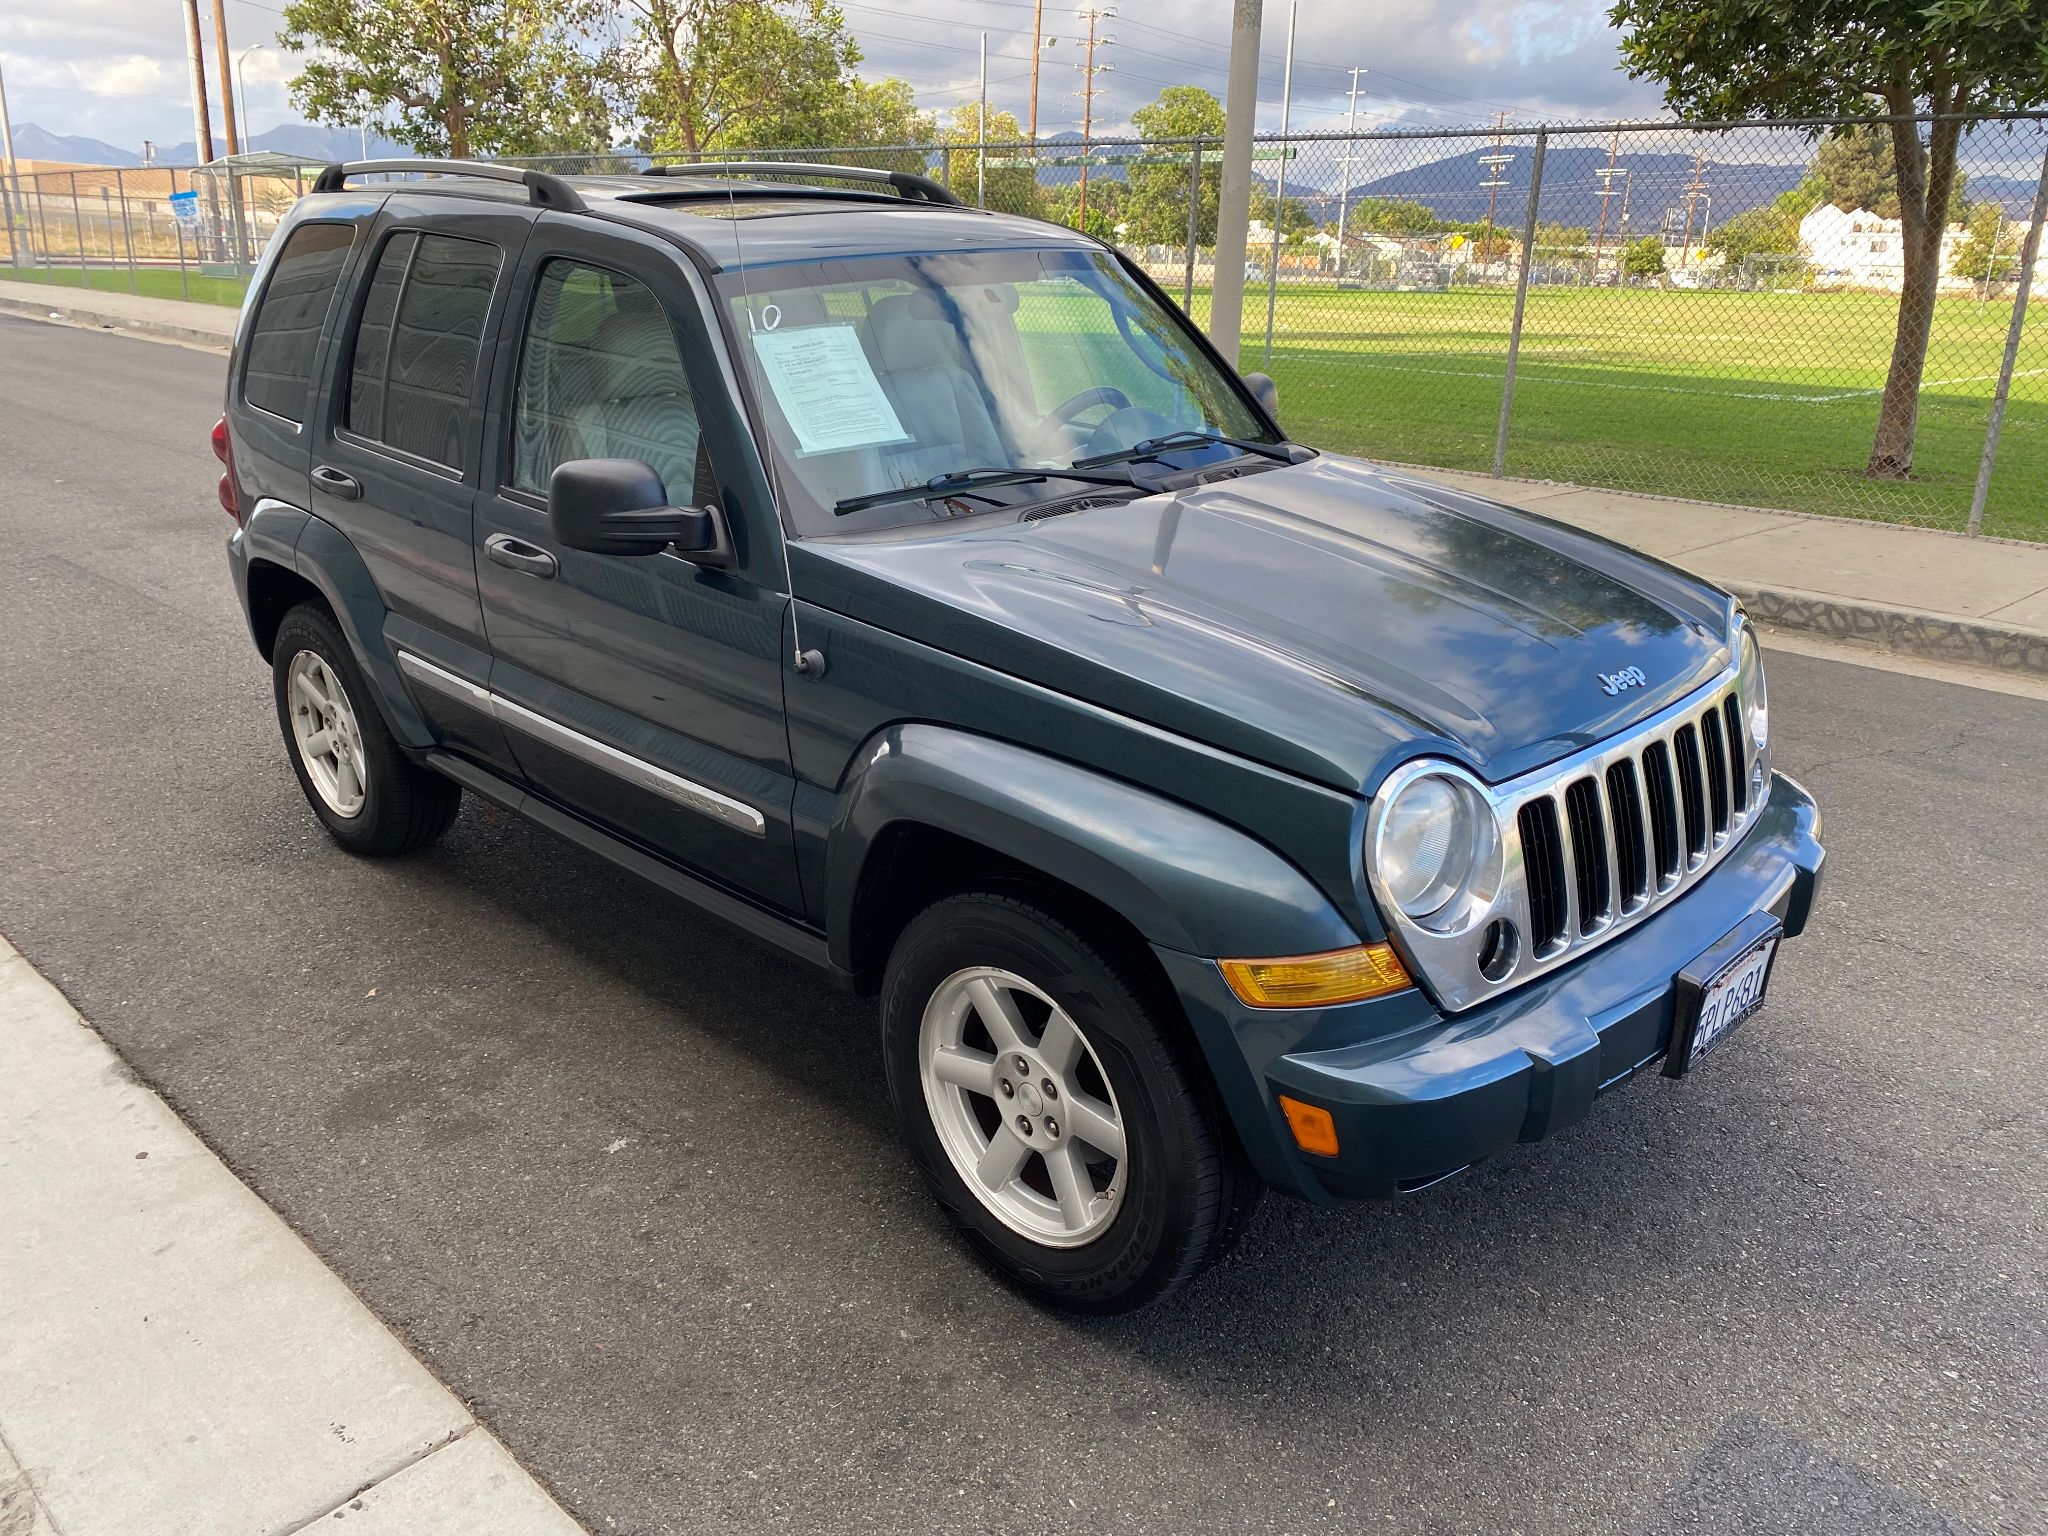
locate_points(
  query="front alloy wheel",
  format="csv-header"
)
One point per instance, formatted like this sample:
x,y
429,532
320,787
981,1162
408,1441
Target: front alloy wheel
x,y
1021,1106
1045,1080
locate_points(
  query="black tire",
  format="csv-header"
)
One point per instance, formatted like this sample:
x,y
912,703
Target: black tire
x,y
1188,1192
405,807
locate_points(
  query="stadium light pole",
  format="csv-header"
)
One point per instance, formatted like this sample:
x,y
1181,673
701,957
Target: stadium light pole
x,y
1234,204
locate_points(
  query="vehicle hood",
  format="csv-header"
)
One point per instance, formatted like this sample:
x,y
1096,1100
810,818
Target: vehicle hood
x,y
1326,618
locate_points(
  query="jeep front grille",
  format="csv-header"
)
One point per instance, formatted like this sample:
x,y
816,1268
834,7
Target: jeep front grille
x,y
1598,842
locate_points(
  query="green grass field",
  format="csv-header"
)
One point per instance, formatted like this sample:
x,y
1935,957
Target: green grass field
x,y
1760,399
150,282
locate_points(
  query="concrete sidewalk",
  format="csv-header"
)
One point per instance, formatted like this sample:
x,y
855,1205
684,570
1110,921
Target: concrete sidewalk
x,y
174,1360
1979,602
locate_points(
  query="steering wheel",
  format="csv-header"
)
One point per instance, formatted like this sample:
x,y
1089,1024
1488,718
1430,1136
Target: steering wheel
x,y
1127,427
1064,413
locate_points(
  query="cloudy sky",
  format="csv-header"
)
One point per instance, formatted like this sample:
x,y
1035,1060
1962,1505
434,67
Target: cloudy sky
x,y
115,69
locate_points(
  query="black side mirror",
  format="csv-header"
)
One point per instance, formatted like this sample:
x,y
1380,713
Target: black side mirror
x,y
620,507
1265,391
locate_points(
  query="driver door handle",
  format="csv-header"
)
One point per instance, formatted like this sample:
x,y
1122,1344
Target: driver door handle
x,y
335,483
520,555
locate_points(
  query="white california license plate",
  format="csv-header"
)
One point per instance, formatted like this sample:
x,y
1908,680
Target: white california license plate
x,y
1710,1006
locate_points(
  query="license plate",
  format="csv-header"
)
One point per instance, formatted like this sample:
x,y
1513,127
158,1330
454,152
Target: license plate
x,y
1721,989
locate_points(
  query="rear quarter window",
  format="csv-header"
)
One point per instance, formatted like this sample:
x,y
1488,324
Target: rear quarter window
x,y
277,374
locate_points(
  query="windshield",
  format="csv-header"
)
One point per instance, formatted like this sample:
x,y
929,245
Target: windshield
x,y
881,373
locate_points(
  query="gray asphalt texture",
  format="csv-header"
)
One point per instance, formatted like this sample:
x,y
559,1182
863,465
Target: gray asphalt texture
x,y
628,1181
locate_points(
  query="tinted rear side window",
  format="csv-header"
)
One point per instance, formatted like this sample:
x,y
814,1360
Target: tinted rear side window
x,y
413,380
278,374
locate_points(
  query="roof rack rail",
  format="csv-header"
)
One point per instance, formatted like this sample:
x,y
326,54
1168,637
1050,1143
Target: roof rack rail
x,y
907,183
542,189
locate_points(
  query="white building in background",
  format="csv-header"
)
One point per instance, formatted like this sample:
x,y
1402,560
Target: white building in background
x,y
1860,250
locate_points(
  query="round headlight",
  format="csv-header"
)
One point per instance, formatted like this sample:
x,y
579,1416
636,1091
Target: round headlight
x,y
1437,841
1756,698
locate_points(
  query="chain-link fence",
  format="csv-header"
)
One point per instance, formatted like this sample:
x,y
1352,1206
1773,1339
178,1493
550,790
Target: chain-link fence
x,y
1706,313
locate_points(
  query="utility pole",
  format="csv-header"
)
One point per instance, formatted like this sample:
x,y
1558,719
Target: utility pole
x,y
1092,14
1280,183
1606,179
1233,205
1493,183
1693,191
227,78
1350,147
1037,47
195,57
6,129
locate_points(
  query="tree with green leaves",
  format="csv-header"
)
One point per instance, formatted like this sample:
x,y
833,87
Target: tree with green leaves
x,y
1296,222
1394,216
1010,184
1838,58
1157,213
452,77
1644,257
1989,251
1767,231
702,75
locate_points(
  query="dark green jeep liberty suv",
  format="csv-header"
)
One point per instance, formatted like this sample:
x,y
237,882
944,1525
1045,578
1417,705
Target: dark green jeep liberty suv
x,y
914,588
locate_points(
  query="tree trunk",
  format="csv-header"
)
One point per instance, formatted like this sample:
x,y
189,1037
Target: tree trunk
x,y
1926,175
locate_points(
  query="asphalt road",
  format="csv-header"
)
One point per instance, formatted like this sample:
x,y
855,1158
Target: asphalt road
x,y
628,1181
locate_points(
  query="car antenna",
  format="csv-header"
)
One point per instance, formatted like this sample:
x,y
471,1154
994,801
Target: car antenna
x,y
807,663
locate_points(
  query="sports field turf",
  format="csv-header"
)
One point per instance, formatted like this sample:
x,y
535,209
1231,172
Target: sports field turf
x,y
150,282
1761,399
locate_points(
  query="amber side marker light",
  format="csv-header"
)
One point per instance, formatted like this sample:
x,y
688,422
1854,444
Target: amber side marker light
x,y
1310,981
1314,1130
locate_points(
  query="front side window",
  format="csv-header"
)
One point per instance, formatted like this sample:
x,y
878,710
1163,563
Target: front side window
x,y
291,317
600,378
880,373
412,383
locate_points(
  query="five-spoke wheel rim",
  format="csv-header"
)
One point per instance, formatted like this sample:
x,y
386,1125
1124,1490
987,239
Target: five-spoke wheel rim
x,y
324,727
1022,1106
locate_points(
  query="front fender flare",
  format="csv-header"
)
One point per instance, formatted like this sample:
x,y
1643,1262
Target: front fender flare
x,y
1183,879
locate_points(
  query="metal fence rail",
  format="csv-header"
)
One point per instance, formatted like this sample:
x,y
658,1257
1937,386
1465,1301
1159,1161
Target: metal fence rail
x,y
1673,309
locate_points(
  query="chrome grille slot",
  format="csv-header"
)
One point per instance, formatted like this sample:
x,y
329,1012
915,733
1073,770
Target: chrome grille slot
x,y
1717,771
1590,874
1692,792
1543,869
1631,853
1661,791
1738,752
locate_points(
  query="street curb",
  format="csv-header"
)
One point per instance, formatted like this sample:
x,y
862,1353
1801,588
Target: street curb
x,y
99,320
1933,636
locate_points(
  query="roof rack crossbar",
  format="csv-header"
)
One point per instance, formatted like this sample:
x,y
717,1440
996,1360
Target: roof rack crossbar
x,y
542,189
907,183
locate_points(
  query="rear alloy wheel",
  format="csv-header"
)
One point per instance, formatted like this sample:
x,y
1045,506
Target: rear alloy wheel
x,y
1045,1082
369,795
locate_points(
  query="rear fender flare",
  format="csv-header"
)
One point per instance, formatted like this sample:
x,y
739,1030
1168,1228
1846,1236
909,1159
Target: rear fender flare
x,y
326,558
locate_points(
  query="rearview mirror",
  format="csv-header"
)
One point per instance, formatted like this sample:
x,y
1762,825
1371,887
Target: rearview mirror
x,y
620,507
1265,391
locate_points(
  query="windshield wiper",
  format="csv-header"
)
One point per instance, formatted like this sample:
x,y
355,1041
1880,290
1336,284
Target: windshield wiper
x,y
960,480
1153,447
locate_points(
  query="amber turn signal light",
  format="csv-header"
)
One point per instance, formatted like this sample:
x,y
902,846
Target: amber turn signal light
x,y
1314,1130
1309,981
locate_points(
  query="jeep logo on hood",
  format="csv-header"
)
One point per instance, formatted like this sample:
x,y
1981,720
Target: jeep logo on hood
x,y
1612,683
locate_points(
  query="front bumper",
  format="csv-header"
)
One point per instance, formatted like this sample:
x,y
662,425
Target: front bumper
x,y
1417,1096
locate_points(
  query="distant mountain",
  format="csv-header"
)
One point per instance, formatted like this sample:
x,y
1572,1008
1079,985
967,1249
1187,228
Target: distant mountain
x,y
34,143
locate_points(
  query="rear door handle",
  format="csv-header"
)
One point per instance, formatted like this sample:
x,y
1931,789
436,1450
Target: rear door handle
x,y
519,555
335,483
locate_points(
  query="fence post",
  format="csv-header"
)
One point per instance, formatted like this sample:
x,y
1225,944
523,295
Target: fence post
x,y
2030,252
127,230
1187,281
1507,387
78,229
7,213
